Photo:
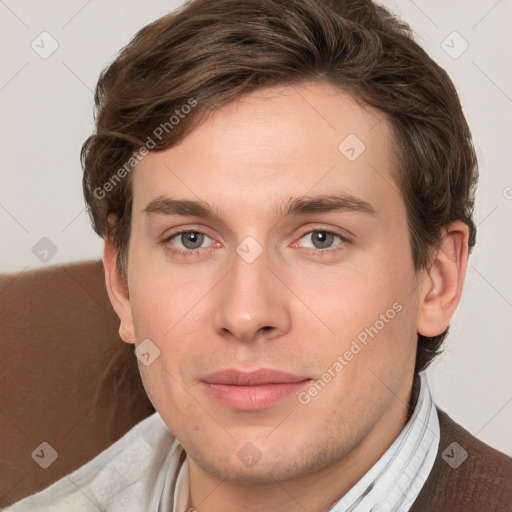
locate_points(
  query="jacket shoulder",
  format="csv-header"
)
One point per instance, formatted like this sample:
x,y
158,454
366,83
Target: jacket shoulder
x,y
468,475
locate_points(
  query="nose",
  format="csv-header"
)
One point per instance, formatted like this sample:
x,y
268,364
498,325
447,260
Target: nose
x,y
253,302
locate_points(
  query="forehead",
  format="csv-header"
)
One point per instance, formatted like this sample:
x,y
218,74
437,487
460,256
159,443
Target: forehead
x,y
272,144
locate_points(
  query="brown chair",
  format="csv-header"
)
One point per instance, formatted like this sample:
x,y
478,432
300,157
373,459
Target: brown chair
x,y
66,377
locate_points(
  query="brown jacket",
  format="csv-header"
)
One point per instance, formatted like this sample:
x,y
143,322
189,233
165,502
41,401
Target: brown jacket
x,y
481,483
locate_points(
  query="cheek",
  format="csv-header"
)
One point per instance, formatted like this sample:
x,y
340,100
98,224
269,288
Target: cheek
x,y
365,362
171,308
347,301
165,299
171,323
370,310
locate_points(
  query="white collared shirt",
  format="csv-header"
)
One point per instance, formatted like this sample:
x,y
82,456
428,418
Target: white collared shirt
x,y
146,470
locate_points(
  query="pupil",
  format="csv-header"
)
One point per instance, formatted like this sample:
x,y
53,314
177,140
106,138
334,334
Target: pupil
x,y
192,240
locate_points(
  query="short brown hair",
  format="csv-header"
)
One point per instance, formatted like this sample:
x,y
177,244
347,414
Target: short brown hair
x,y
210,52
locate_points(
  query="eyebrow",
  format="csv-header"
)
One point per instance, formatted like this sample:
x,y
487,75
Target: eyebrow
x,y
163,205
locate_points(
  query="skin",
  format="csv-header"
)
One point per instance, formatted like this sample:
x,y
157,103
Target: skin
x,y
292,309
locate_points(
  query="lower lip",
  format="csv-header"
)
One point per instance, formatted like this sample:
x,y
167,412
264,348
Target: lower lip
x,y
253,397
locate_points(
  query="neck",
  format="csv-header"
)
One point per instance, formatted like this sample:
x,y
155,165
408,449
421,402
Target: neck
x,y
315,492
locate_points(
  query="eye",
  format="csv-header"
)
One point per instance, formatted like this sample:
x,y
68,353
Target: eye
x,y
186,243
322,239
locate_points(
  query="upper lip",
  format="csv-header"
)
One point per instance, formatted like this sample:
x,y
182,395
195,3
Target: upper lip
x,y
234,377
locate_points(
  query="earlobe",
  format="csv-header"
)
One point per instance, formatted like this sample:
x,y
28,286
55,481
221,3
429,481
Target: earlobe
x,y
117,290
442,286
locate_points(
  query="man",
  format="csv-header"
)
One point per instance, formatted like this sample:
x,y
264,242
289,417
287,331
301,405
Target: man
x,y
285,190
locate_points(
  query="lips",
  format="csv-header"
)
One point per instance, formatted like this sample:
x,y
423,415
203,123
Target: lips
x,y
233,377
253,390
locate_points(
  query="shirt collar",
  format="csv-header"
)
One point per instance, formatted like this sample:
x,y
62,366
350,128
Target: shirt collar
x,y
390,485
395,480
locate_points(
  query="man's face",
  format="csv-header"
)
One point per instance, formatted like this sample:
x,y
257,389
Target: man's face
x,y
255,287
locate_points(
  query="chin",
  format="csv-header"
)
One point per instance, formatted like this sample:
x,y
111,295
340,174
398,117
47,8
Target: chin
x,y
253,463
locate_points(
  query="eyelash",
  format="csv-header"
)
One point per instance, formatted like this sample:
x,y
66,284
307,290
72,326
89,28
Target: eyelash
x,y
194,252
325,253
180,252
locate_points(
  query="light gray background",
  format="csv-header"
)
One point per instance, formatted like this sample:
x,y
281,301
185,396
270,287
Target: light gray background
x,y
46,114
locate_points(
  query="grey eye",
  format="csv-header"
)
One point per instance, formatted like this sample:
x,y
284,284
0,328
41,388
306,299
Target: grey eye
x,y
192,239
322,239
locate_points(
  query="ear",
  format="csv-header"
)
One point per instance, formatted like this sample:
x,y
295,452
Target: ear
x,y
117,289
442,286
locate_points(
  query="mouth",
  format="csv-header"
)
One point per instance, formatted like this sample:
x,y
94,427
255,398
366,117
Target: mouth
x,y
259,389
